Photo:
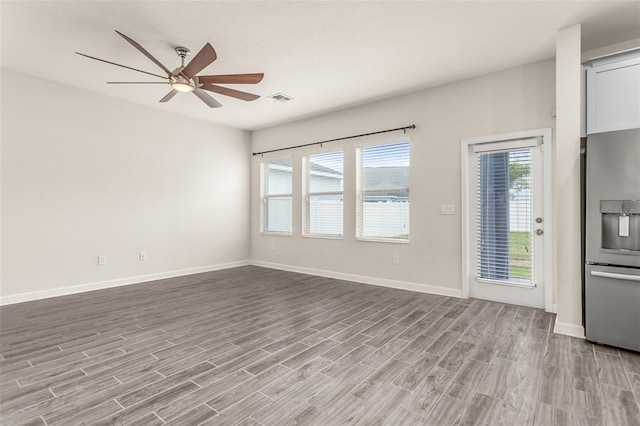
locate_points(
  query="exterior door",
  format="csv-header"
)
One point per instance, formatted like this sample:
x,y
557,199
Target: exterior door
x,y
506,222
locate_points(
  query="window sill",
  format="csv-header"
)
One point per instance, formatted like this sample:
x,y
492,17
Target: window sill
x,y
277,234
383,240
323,237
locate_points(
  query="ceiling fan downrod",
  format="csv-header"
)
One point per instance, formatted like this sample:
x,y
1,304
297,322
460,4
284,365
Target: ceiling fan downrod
x,y
182,52
179,81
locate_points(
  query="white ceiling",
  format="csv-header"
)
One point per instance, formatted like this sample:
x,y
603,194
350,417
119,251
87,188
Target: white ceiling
x,y
326,55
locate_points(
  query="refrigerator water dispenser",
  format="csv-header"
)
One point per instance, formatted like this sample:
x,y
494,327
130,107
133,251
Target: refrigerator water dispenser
x,y
621,225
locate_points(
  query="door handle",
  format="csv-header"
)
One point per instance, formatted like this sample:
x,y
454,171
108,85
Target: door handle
x,y
616,276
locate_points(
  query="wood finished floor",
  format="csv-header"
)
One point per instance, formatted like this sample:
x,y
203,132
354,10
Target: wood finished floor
x,y
256,346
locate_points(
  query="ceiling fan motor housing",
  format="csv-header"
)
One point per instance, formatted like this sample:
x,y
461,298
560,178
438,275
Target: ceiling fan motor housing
x,y
182,84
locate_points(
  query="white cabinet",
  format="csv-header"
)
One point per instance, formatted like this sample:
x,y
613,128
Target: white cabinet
x,y
613,93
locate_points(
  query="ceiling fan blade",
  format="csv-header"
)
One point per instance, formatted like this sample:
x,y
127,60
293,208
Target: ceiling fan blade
x,y
123,66
232,78
137,82
169,95
145,53
207,99
205,56
230,92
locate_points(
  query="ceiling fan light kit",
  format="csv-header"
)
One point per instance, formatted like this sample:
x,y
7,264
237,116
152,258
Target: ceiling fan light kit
x,y
185,78
181,84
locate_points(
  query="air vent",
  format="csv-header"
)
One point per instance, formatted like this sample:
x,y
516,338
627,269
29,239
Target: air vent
x,y
280,97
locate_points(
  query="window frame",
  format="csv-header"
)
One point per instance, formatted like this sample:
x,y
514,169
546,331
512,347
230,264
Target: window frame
x,y
359,192
264,197
306,194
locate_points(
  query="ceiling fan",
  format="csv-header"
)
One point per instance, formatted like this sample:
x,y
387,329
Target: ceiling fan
x,y
185,78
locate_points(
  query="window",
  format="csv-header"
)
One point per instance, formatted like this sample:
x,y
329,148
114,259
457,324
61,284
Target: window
x,y
323,194
504,216
383,192
276,196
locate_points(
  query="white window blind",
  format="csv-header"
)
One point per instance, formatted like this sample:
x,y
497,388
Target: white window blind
x,y
323,194
276,199
383,192
505,216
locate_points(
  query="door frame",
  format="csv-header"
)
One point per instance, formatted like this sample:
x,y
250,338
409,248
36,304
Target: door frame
x,y
547,151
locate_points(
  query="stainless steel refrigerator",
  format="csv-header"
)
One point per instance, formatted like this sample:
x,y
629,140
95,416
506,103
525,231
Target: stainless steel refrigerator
x,y
612,239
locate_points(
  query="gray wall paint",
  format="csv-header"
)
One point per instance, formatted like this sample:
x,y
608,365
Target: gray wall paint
x,y
86,175
517,99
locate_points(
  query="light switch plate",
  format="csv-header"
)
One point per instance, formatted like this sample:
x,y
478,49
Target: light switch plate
x,y
447,209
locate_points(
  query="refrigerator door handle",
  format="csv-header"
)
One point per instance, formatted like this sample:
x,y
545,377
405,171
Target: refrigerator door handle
x,y
616,276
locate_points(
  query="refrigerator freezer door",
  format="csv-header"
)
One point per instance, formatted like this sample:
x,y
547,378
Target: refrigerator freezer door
x,y
612,298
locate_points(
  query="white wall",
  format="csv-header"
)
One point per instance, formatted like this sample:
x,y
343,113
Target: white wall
x,y
513,100
566,203
86,175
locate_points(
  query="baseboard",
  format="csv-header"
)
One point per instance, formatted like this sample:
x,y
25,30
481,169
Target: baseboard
x,y
567,329
82,288
383,282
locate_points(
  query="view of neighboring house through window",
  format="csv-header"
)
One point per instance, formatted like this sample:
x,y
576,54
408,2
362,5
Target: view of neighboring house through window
x,y
383,192
276,196
323,198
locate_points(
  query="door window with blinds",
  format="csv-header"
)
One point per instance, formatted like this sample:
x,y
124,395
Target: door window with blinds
x,y
323,197
382,186
504,216
276,197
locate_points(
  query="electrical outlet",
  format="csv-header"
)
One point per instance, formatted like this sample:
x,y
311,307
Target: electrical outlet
x,y
142,256
447,209
273,246
396,259
102,260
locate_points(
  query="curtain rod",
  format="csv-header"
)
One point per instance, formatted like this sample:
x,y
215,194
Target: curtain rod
x,y
413,126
